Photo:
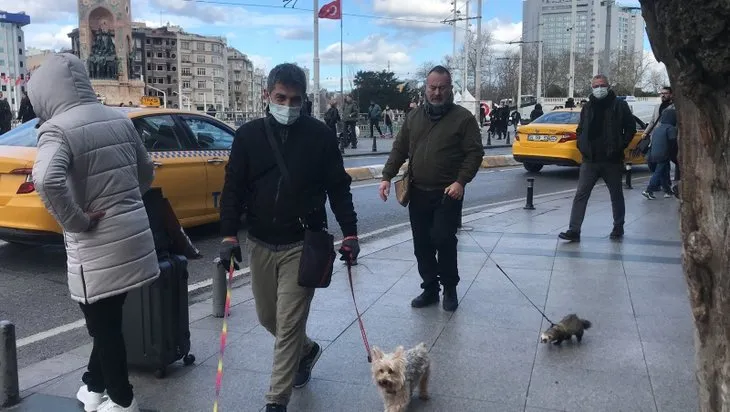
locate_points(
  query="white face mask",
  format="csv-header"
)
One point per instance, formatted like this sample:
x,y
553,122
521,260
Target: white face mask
x,y
285,115
600,92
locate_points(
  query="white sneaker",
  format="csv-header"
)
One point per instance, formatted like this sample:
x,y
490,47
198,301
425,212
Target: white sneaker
x,y
91,400
110,406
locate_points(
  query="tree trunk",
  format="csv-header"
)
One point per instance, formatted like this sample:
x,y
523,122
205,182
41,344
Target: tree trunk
x,y
692,38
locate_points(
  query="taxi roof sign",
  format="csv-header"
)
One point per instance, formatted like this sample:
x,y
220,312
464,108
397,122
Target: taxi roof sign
x,y
150,101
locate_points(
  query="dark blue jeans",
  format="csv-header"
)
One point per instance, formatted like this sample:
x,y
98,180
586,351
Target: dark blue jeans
x,y
660,177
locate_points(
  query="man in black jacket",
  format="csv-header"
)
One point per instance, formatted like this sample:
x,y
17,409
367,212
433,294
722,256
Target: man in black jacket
x,y
25,112
6,115
605,130
277,211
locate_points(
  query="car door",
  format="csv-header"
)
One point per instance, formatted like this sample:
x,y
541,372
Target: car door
x,y
629,155
178,170
213,140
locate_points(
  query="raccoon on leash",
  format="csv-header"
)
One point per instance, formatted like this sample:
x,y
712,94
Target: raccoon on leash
x,y
565,329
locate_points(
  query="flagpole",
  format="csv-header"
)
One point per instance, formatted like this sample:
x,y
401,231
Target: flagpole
x,y
315,103
342,93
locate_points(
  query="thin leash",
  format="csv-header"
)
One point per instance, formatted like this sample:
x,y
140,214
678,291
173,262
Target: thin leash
x,y
523,293
224,337
359,318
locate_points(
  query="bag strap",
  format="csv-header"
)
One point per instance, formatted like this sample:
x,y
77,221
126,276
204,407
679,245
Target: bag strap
x,y
277,152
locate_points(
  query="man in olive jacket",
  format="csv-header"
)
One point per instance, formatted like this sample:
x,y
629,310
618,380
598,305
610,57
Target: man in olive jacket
x,y
444,145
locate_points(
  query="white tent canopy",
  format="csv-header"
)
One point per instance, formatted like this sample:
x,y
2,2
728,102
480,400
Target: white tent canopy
x,y
466,101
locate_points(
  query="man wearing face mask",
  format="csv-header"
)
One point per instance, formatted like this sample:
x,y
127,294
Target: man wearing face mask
x,y
255,185
444,146
605,129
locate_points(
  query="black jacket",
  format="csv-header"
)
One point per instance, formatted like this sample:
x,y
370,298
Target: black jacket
x,y
25,112
255,186
618,126
6,116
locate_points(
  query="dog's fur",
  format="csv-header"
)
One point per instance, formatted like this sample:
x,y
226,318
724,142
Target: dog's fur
x,y
397,374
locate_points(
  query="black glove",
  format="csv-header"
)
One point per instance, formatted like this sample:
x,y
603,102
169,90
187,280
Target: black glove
x,y
350,249
230,249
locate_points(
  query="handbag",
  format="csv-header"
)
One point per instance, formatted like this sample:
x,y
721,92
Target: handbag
x,y
316,263
403,186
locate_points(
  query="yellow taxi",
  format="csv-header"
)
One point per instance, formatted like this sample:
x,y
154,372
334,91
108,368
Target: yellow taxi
x,y
551,140
189,150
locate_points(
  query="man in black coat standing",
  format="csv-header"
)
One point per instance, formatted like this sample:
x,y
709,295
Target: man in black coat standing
x,y
6,115
605,130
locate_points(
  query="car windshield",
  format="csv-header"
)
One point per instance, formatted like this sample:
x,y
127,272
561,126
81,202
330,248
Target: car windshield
x,y
25,135
558,118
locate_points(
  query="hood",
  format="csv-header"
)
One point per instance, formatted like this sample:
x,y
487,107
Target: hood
x,y
60,84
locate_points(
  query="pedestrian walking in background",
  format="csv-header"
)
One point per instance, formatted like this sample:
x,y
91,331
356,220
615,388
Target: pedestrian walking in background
x,y
536,112
374,115
332,116
91,171
389,117
443,145
667,101
6,115
350,114
25,112
278,207
663,138
605,129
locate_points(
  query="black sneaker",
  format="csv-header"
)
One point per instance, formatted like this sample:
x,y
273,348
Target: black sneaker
x,y
570,235
274,407
451,301
617,232
649,195
305,366
427,298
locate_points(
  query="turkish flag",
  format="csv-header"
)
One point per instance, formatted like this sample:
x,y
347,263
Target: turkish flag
x,y
331,11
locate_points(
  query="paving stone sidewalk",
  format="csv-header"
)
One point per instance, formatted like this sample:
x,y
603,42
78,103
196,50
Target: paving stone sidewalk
x,y
638,356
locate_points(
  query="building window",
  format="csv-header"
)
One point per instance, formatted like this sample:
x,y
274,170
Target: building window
x,y
185,45
201,46
149,54
201,71
137,69
149,66
202,84
160,68
20,39
201,58
173,42
186,71
185,58
186,84
149,80
167,42
159,55
160,80
147,41
20,51
21,65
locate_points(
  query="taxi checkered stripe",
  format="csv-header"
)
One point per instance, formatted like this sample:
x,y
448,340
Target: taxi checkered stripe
x,y
175,154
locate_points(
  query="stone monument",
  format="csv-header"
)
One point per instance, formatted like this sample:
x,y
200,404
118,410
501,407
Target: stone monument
x,y
105,46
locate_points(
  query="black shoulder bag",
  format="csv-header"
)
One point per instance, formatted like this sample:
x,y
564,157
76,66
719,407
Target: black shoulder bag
x,y
318,253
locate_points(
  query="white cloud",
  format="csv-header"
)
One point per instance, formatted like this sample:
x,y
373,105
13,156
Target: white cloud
x,y
48,36
261,62
44,11
504,32
227,15
414,14
374,52
295,33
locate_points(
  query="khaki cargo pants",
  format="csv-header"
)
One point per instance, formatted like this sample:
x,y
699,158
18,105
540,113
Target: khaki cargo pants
x,y
282,307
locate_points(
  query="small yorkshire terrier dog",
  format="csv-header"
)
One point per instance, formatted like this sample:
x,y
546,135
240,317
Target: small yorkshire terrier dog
x,y
397,373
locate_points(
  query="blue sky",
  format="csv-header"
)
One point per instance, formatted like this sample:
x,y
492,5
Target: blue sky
x,y
270,33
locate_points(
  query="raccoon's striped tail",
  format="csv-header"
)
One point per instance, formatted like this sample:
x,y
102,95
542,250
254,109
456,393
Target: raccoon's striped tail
x,y
586,324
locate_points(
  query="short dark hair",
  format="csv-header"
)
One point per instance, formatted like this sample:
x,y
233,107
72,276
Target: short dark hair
x,y
288,74
440,70
667,88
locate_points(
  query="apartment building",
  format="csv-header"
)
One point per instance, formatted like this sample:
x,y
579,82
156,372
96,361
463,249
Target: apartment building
x,y
240,74
203,71
13,70
626,34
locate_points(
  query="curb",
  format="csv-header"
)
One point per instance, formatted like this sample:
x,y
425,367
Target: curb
x,y
376,171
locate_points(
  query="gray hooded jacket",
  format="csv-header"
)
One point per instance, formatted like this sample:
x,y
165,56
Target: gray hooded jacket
x,y
90,158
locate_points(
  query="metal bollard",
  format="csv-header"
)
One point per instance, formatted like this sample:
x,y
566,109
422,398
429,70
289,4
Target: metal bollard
x,y
9,387
530,191
375,144
489,138
628,176
220,288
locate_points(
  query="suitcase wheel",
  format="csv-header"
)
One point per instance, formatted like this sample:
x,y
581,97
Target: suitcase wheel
x,y
160,373
189,359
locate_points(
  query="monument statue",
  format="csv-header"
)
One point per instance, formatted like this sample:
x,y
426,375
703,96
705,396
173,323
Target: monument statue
x,y
102,61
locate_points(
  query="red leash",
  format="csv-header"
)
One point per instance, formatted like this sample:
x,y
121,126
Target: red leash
x,y
359,318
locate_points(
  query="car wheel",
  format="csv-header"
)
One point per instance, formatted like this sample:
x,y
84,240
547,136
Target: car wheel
x,y
533,167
